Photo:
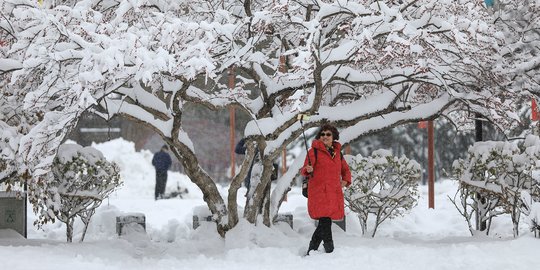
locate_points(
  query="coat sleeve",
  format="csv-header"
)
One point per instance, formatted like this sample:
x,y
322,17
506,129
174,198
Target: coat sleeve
x,y
241,147
345,172
311,155
154,161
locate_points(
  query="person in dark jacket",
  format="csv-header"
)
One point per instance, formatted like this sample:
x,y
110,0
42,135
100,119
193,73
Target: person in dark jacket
x,y
162,162
328,174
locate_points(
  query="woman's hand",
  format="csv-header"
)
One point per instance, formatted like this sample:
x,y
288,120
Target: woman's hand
x,y
343,183
309,169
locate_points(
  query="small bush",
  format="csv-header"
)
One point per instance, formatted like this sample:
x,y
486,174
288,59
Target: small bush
x,y
82,178
383,185
492,178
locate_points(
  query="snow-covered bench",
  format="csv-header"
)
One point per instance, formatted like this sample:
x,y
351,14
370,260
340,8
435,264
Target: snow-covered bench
x,y
201,214
137,220
198,219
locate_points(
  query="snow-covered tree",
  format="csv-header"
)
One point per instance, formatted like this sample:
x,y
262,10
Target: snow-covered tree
x,y
492,178
363,65
384,186
81,179
474,203
519,22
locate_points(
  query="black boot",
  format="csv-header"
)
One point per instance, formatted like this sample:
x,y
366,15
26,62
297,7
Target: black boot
x,y
328,246
316,238
314,244
326,235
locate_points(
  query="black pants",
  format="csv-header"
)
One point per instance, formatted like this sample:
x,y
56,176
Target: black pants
x,y
323,231
161,182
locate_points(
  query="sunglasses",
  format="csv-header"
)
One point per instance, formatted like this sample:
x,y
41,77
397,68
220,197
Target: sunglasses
x,y
328,134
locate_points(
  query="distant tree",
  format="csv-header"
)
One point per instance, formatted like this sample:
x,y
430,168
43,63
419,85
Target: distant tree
x,y
410,140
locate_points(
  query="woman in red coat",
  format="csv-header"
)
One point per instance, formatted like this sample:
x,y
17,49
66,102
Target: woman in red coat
x,y
328,173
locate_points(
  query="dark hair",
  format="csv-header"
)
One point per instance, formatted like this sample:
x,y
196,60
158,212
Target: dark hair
x,y
165,147
335,133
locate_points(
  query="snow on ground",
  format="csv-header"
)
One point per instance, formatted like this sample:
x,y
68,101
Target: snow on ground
x,y
424,238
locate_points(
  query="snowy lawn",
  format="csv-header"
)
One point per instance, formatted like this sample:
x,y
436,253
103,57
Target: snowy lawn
x,y
423,239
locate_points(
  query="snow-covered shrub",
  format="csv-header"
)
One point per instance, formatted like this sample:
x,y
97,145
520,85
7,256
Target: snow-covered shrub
x,y
492,177
531,209
82,178
383,185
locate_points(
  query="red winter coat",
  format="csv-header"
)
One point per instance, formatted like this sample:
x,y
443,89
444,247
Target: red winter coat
x,y
325,196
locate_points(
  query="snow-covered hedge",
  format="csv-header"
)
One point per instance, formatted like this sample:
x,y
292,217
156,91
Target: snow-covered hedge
x,y
82,178
492,178
531,209
383,186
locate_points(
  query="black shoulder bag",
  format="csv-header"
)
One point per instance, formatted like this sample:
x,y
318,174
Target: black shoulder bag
x,y
306,178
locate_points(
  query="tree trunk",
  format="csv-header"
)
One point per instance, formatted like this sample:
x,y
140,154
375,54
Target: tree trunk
x,y
281,199
236,183
516,214
256,201
69,229
209,189
86,221
266,205
363,224
377,223
84,231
